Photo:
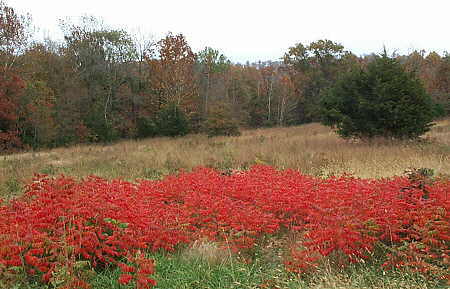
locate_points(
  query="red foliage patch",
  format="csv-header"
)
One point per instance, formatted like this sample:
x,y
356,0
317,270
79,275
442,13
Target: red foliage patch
x,y
11,87
107,222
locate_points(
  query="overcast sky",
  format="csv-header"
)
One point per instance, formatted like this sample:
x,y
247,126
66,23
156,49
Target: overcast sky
x,y
264,30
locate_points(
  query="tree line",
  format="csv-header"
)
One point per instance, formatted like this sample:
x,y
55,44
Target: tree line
x,y
102,84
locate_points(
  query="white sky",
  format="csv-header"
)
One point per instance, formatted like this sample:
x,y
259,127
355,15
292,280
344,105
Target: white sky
x,y
264,30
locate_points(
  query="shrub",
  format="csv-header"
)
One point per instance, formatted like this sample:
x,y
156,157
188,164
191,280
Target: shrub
x,y
383,100
217,127
60,225
221,122
171,120
146,127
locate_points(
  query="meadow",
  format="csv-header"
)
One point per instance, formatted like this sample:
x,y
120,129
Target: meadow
x,y
261,213
312,149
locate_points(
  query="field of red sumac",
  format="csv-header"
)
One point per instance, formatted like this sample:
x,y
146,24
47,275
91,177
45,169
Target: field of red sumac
x,y
60,225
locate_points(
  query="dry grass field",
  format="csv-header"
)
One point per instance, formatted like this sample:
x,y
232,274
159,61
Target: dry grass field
x,y
312,149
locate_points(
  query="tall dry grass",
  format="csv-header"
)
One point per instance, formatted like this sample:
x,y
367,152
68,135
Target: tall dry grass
x,y
312,149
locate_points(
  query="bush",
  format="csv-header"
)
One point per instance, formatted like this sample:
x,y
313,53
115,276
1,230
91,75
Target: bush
x,y
172,121
217,127
61,228
146,127
439,110
102,130
169,121
220,122
383,100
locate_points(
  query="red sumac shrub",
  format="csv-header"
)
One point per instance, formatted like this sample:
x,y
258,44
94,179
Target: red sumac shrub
x,y
62,221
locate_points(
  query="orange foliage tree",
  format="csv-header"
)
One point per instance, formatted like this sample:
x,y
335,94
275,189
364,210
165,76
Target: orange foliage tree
x,y
172,72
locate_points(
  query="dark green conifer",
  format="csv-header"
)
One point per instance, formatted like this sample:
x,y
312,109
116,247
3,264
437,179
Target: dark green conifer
x,y
381,100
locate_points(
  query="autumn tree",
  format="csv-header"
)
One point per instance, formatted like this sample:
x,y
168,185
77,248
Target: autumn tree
x,y
14,35
100,56
286,100
443,81
267,88
172,71
37,123
13,39
244,95
140,87
40,72
435,74
172,80
213,68
314,68
11,88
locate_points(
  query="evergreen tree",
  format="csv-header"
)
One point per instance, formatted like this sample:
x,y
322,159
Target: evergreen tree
x,y
382,100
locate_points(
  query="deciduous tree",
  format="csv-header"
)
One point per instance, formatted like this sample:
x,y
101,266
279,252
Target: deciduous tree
x,y
213,68
314,68
14,33
172,72
11,88
100,56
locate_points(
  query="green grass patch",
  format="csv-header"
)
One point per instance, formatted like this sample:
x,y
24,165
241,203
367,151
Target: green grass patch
x,y
175,271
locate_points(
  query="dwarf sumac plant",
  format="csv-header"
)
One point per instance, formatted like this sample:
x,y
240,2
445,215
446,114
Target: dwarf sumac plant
x,y
62,228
